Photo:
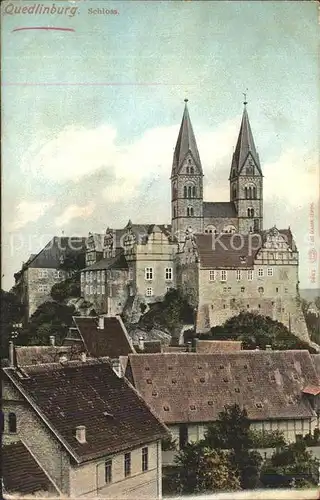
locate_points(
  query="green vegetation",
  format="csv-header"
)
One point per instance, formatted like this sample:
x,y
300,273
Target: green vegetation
x,y
11,312
255,330
51,318
292,465
66,289
267,439
312,319
169,315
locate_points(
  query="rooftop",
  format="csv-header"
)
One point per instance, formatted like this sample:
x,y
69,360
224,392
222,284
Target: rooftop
x,y
194,387
103,402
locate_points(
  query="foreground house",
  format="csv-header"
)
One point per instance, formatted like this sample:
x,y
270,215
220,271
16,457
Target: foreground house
x,y
89,430
279,389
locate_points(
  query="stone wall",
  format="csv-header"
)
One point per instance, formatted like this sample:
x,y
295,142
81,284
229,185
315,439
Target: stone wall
x,y
39,283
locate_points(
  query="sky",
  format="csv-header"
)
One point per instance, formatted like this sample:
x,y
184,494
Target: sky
x,y
90,116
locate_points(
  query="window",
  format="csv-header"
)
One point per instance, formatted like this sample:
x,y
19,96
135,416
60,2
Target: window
x,y
148,273
82,277
238,274
193,192
103,275
223,275
250,275
250,212
127,464
260,272
98,276
149,292
91,289
168,273
87,277
108,471
103,289
98,289
43,273
144,459
185,192
212,275
43,288
183,436
174,212
270,271
261,289
277,290
189,211
191,170
242,289
12,422
87,289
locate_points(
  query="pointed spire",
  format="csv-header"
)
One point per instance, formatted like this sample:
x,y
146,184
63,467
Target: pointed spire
x,y
186,142
245,143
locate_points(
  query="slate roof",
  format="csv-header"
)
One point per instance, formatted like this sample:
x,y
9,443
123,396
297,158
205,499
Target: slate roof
x,y
33,355
225,251
220,209
212,346
112,341
49,256
149,346
116,262
92,395
245,144
21,473
192,387
186,142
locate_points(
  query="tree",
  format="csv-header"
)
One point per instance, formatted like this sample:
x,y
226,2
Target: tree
x,y
292,464
203,469
66,289
73,261
255,330
51,318
171,314
267,439
11,312
232,432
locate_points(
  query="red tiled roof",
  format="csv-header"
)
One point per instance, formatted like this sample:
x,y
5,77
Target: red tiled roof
x,y
268,384
90,394
312,389
112,341
21,473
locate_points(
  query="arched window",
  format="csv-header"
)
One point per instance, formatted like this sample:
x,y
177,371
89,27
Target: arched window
x,y
250,212
261,289
191,170
189,161
250,193
187,170
234,192
174,212
12,422
246,193
193,191
210,229
190,211
255,193
185,192
189,191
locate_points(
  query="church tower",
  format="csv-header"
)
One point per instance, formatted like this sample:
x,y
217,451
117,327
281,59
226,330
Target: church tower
x,y
186,182
246,180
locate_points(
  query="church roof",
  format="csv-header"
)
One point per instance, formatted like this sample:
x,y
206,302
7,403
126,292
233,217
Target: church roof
x,y
186,142
245,144
224,209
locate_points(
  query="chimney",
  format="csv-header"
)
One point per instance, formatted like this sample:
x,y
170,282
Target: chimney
x,y
63,358
81,434
11,353
101,323
141,343
83,357
268,347
52,340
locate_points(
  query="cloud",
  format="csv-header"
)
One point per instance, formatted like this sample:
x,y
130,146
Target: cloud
x,y
30,212
74,212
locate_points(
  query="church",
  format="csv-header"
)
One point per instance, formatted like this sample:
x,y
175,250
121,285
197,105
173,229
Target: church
x,y
219,253
243,213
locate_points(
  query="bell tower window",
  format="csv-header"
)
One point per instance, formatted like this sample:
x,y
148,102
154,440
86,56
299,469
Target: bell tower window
x,y
190,211
250,212
185,192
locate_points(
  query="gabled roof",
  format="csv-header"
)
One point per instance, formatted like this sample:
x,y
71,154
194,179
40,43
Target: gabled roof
x,y
116,262
191,387
245,144
35,355
225,251
57,248
112,341
89,394
21,473
186,143
220,209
